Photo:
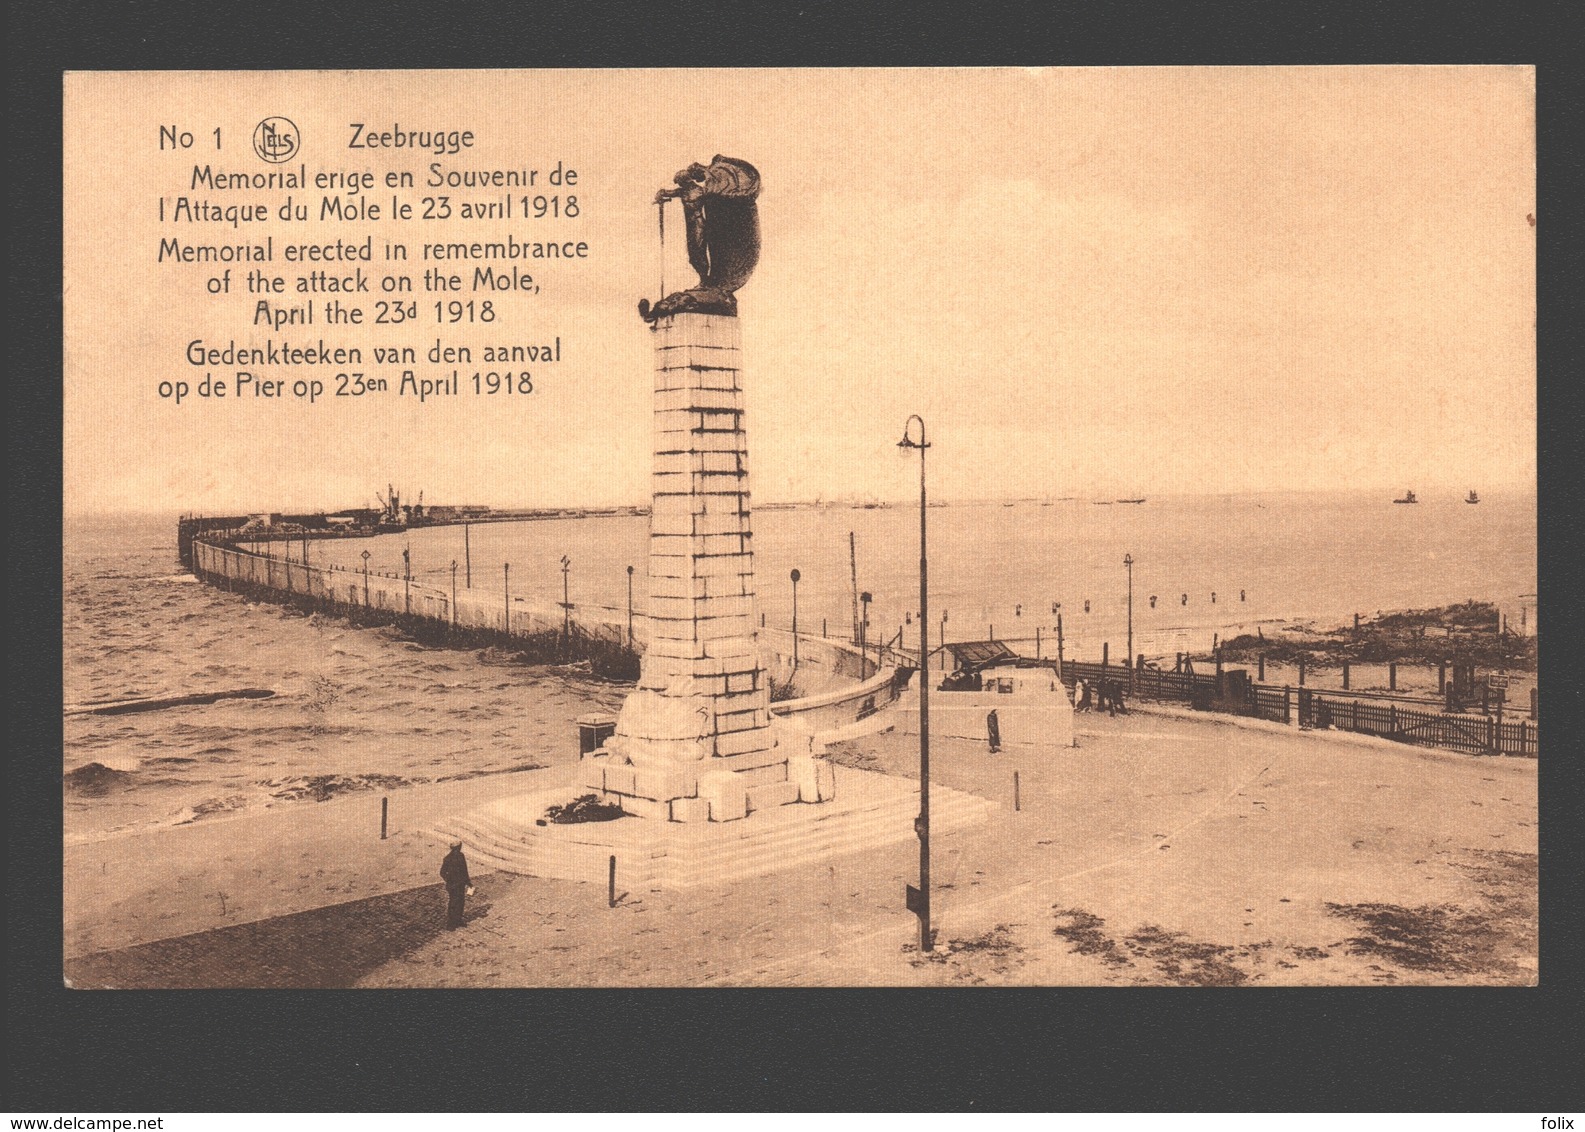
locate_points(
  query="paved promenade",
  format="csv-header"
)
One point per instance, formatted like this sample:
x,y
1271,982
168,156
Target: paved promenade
x,y
1161,850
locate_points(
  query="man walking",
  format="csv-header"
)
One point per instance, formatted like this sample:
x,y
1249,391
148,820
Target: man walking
x,y
454,871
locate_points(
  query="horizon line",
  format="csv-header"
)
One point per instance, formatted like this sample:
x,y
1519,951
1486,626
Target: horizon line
x,y
857,502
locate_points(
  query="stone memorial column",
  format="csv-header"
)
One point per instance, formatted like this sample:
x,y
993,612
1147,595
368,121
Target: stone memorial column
x,y
702,693
694,741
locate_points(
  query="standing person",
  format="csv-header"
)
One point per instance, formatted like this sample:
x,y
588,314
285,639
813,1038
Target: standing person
x,y
1081,696
454,871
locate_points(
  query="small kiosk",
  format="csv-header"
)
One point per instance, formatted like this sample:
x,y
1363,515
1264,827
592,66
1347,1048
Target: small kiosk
x,y
998,697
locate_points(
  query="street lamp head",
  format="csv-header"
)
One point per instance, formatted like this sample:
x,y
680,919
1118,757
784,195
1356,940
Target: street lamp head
x,y
796,575
1128,560
630,571
907,441
866,597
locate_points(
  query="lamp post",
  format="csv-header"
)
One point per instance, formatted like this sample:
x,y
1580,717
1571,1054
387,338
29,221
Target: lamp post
x,y
864,625
506,588
630,606
453,592
365,579
407,579
566,605
1128,561
920,899
795,577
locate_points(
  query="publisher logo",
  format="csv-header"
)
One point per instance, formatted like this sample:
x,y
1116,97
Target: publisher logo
x,y
276,140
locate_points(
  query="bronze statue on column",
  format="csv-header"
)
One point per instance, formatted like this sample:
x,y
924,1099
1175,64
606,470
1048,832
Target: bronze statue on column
x,y
722,218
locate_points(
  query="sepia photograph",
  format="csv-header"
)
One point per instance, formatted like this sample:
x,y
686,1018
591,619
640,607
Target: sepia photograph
x,y
919,527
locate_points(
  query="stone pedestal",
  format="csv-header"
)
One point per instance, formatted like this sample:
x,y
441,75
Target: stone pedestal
x,y
699,724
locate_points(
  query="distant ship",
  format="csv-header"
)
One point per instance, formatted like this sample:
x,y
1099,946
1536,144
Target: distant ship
x,y
1408,497
1472,497
1130,501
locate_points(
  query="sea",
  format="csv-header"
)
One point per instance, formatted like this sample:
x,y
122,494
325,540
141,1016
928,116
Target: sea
x,y
364,709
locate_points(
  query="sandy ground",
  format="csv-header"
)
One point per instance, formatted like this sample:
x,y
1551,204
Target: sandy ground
x,y
1162,850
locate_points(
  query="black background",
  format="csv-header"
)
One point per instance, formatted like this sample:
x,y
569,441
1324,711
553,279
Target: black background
x,y
1169,1049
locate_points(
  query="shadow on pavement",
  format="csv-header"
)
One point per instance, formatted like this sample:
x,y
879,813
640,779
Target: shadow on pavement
x,y
324,947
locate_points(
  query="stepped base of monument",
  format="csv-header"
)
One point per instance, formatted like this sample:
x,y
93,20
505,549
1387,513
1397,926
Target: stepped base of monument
x,y
869,810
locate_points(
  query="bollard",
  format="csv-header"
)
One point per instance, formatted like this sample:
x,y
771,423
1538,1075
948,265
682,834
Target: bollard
x,y
1345,676
385,812
1017,800
611,884
1301,671
1392,676
1262,676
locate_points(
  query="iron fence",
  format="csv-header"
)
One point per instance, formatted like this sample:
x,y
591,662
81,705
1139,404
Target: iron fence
x,y
1404,720
1472,734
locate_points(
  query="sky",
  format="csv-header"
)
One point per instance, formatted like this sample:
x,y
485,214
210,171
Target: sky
x,y
1087,281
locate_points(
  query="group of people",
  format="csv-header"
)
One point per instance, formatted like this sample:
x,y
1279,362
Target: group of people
x,y
1103,696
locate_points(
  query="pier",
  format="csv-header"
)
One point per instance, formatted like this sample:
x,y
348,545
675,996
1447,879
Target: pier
x,y
840,685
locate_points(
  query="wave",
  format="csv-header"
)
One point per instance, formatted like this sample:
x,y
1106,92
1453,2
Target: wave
x,y
211,807
96,779
323,787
